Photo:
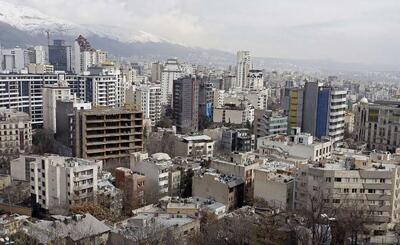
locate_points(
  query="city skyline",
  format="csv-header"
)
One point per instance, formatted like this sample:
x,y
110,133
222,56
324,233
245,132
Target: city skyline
x,y
357,32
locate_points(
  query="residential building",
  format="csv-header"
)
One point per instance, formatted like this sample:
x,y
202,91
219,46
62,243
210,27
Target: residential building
x,y
5,180
242,169
258,98
24,91
64,118
86,56
108,134
234,114
133,186
349,123
75,229
60,56
156,69
51,94
157,170
171,71
255,79
185,104
376,124
274,183
243,65
370,186
148,98
228,190
40,69
300,145
269,122
194,146
59,182
240,139
15,132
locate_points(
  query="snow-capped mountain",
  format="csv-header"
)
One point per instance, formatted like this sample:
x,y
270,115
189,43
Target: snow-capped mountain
x,y
32,20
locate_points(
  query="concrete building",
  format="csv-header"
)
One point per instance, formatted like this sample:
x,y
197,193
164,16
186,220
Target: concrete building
x,y
243,65
60,56
255,79
156,69
185,104
240,139
64,118
349,123
51,94
171,71
15,132
85,56
206,97
228,190
133,186
257,98
24,91
13,60
195,146
372,186
59,182
148,98
269,122
158,168
299,145
234,114
241,169
275,184
108,134
40,69
376,124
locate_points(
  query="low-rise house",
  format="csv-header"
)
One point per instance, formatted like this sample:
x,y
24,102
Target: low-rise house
x,y
194,146
228,190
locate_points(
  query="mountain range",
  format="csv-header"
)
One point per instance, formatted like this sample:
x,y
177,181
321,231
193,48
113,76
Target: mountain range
x,y
24,26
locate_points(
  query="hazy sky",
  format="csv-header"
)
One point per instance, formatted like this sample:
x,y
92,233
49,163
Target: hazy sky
x,y
363,31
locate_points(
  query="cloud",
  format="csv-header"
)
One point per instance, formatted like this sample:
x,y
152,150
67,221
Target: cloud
x,y
363,31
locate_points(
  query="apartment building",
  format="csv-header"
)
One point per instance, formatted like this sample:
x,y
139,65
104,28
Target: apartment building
x,y
377,124
133,186
15,132
161,176
240,139
148,98
299,145
228,190
274,183
241,169
269,122
195,146
234,114
108,134
59,182
172,70
373,186
24,92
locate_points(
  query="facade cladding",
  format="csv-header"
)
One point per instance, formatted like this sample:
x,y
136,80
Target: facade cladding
x,y
311,91
322,113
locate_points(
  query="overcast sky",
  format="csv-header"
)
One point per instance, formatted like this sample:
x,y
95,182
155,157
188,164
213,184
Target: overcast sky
x,y
363,31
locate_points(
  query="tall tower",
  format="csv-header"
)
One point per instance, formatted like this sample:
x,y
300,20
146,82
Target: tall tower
x,y
243,66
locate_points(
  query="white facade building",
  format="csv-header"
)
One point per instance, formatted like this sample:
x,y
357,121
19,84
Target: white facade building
x,y
50,96
61,181
171,71
195,146
243,65
148,97
255,79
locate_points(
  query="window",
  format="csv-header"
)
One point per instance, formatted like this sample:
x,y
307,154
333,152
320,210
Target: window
x,y
346,190
371,190
338,179
362,190
336,200
353,190
382,180
328,179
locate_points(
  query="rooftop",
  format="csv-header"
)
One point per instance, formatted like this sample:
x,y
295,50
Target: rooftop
x,y
197,138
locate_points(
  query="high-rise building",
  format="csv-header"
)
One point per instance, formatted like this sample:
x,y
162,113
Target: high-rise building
x,y
148,98
86,56
243,65
108,134
171,71
60,56
15,132
51,94
293,106
206,100
186,104
60,182
156,69
377,124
